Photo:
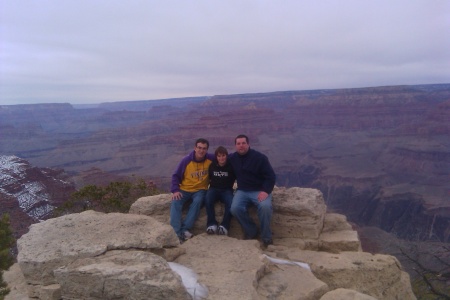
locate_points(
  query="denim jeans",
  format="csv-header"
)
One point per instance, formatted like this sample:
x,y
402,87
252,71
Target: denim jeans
x,y
176,210
226,197
239,208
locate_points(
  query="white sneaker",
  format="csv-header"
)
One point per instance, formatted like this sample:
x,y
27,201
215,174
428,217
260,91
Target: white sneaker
x,y
187,235
223,230
211,229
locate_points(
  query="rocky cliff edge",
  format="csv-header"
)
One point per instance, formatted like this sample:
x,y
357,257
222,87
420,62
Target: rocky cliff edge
x,y
91,255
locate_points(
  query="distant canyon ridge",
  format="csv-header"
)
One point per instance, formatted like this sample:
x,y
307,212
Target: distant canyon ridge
x,y
380,155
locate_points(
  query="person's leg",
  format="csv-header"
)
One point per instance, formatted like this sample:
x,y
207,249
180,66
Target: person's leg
x,y
265,217
210,200
227,199
240,212
176,208
198,198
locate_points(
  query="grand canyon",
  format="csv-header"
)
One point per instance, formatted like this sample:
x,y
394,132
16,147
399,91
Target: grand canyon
x,y
379,155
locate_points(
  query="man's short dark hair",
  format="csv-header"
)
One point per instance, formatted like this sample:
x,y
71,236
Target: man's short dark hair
x,y
202,141
221,150
240,137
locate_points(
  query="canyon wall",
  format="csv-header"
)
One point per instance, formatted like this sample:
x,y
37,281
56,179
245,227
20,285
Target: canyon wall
x,y
381,156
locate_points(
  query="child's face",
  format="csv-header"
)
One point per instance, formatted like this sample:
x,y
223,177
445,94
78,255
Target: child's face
x,y
221,159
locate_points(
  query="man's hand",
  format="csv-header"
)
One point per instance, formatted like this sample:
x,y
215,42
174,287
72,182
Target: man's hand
x,y
176,196
262,196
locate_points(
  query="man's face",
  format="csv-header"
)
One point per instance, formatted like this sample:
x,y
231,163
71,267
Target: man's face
x,y
200,151
242,146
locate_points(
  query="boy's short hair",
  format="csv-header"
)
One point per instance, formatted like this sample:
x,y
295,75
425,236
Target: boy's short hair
x,y
202,141
220,150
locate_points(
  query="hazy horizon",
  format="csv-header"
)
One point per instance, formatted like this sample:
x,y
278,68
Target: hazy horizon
x,y
94,104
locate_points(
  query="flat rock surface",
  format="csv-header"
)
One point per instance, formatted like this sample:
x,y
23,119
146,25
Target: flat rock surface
x,y
237,269
228,267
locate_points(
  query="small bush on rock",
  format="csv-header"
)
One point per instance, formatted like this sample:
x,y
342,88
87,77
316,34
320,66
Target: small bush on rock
x,y
6,259
117,196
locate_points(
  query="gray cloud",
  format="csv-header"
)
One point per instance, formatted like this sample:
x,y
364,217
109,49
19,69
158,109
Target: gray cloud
x,y
96,51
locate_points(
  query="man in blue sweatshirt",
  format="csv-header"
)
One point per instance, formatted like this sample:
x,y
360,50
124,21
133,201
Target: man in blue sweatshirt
x,y
255,181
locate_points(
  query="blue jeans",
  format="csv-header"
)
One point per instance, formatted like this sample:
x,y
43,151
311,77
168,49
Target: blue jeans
x,y
226,197
176,210
239,208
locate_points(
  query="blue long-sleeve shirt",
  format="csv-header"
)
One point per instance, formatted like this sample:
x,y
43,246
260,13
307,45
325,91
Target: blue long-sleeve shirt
x,y
253,171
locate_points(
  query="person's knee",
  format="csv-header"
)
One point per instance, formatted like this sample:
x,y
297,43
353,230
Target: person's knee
x,y
237,209
265,205
265,208
197,204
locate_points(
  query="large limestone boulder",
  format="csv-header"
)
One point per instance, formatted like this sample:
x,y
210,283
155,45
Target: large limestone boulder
x,y
57,242
120,274
299,220
298,213
378,275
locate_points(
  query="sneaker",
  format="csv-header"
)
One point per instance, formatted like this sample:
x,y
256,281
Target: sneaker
x,y
211,229
247,237
223,230
267,243
187,235
181,238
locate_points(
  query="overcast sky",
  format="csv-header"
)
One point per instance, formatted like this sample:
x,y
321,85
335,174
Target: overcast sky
x,y
105,50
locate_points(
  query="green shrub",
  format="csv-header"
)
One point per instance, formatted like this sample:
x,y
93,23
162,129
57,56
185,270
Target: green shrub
x,y
6,259
117,196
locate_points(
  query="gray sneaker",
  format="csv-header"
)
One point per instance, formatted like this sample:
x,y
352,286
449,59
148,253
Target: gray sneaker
x,y
187,235
211,229
223,230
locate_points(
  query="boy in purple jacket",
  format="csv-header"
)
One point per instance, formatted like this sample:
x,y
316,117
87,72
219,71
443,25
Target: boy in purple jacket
x,y
190,181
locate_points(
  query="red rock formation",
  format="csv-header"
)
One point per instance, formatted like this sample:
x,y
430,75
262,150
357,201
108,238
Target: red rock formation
x,y
30,194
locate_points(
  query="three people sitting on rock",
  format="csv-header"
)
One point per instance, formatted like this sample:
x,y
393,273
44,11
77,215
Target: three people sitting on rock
x,y
255,182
